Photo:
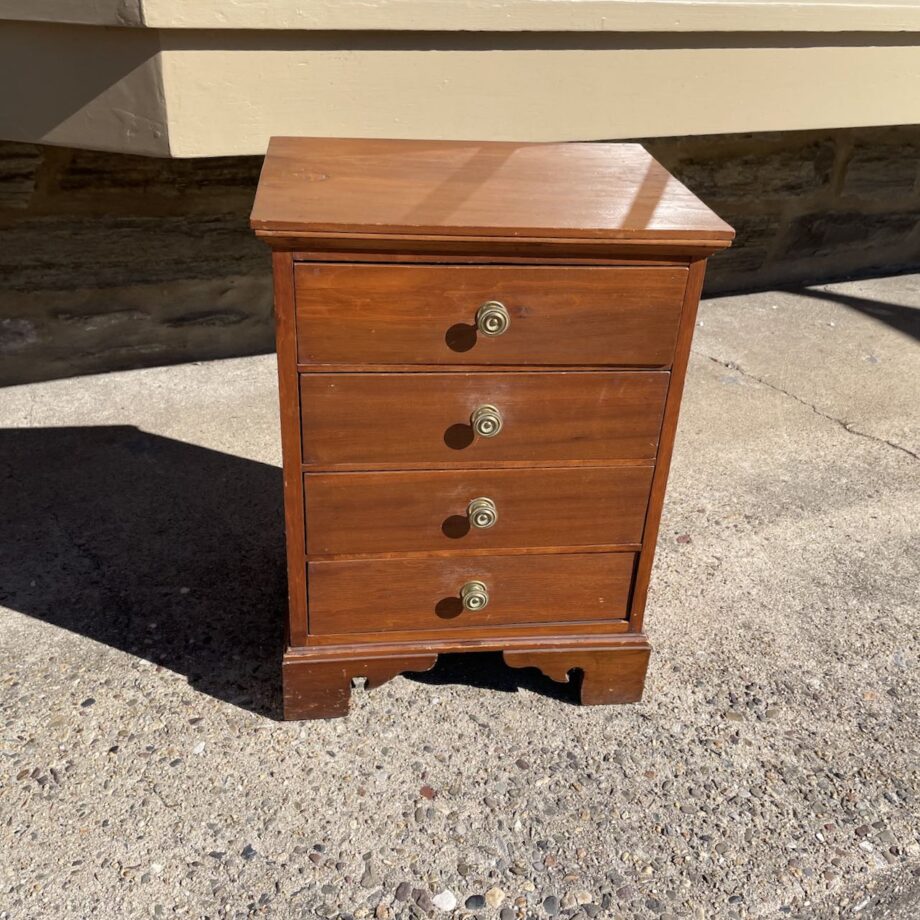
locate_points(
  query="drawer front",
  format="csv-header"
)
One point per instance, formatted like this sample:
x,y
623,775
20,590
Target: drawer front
x,y
371,420
409,594
424,511
423,314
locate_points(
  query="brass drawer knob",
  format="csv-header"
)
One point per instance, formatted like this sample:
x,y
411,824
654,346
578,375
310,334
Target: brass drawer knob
x,y
486,421
482,513
492,318
474,595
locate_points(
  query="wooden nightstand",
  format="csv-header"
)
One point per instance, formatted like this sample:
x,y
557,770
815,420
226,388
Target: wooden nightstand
x,y
481,353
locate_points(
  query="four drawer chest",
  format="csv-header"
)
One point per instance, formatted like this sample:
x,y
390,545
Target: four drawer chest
x,y
481,354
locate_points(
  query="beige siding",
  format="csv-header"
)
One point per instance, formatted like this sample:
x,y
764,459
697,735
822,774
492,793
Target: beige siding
x,y
172,78
524,94
484,15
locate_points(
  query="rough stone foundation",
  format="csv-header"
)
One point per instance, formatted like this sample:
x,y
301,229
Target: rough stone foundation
x,y
807,206
110,261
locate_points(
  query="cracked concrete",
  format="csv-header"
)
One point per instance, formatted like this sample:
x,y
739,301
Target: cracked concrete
x,y
844,364
772,769
846,426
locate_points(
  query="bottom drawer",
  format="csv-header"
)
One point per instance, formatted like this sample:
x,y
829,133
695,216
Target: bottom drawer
x,y
419,594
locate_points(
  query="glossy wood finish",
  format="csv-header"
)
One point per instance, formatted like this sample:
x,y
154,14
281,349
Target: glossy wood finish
x,y
473,251
423,314
607,675
491,189
471,638
367,595
318,681
666,447
321,689
289,403
394,419
393,244
427,511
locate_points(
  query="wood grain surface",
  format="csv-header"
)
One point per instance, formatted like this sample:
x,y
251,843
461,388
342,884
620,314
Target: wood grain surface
x,y
423,314
322,689
383,252
288,403
374,419
317,680
427,511
368,595
666,447
483,188
607,675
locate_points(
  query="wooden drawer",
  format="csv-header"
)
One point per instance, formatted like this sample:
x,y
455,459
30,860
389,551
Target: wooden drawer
x,y
422,511
408,594
371,421
424,314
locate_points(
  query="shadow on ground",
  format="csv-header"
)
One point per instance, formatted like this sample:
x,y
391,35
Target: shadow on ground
x,y
900,317
162,549
167,551
488,671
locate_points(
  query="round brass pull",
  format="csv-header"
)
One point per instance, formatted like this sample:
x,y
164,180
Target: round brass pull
x,y
486,421
474,595
492,318
482,513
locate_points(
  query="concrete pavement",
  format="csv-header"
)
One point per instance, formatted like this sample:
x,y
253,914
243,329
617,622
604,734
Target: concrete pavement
x,y
773,769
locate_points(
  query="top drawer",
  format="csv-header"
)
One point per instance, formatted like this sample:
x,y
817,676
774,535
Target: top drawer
x,y
427,314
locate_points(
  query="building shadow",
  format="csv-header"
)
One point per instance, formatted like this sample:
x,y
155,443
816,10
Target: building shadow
x,y
900,317
114,64
161,549
170,552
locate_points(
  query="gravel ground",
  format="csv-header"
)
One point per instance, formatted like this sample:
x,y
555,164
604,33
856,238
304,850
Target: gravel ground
x,y
771,771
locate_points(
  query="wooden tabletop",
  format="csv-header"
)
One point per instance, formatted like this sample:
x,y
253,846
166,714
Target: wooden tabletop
x,y
471,188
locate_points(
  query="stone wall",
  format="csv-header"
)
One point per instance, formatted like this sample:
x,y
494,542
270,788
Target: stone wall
x,y
111,261
807,206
